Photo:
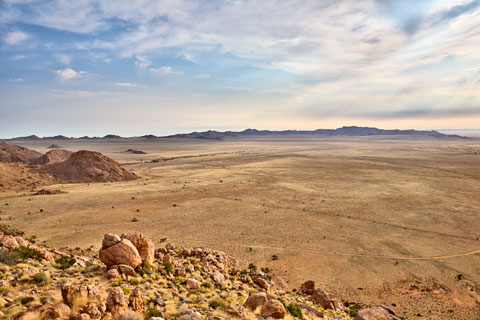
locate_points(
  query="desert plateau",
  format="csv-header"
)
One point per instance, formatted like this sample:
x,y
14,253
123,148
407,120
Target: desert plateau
x,y
378,220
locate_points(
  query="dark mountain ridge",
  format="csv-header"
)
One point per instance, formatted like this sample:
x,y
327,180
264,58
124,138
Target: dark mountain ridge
x,y
219,135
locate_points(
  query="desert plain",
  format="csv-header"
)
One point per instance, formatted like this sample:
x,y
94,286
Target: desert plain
x,y
384,219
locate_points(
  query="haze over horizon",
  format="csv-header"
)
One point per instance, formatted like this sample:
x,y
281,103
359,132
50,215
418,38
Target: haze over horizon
x,y
132,68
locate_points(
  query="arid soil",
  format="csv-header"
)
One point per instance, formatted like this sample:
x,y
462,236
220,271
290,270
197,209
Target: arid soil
x,y
392,220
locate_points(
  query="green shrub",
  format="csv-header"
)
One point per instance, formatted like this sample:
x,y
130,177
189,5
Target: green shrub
x,y
152,312
252,267
41,278
217,303
207,284
168,267
295,311
29,253
64,262
352,312
126,290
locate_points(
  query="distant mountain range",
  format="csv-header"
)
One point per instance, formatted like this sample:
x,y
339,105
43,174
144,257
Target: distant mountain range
x,y
220,135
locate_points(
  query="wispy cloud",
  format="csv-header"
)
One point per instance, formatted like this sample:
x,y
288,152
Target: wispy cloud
x,y
165,71
15,38
16,80
202,76
81,93
69,73
127,84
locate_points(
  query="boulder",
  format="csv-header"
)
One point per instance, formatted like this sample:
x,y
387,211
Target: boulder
x,y
376,313
218,277
92,310
135,301
144,245
116,301
262,283
255,300
124,252
110,240
193,283
308,287
238,312
50,311
123,268
273,308
326,300
113,273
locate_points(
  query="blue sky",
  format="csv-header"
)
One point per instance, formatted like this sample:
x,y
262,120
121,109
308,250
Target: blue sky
x,y
137,67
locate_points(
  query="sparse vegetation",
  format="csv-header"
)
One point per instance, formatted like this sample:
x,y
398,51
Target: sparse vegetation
x,y
29,253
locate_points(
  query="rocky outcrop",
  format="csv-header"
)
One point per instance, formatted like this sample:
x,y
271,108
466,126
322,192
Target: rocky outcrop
x,y
308,287
53,156
376,313
135,301
87,166
326,300
116,301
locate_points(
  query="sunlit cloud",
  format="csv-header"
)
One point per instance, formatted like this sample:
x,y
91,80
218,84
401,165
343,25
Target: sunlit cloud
x,y
69,73
15,38
165,71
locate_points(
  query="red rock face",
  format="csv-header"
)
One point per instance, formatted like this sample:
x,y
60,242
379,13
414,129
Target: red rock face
x,y
53,156
87,166
11,153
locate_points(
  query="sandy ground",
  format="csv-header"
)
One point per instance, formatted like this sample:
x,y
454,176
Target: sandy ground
x,y
366,212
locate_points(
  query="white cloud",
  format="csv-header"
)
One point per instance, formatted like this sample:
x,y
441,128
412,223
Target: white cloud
x,y
202,76
15,38
20,57
69,73
142,62
126,84
81,93
165,71
16,80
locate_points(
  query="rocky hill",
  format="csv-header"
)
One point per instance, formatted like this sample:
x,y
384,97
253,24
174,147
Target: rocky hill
x,y
53,156
11,153
131,280
22,168
87,166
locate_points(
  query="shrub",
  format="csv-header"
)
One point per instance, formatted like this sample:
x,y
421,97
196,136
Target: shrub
x,y
168,267
252,267
352,312
65,262
217,303
152,312
207,284
29,253
127,290
41,278
295,311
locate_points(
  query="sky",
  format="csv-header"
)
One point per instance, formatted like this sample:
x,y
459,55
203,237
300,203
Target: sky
x,y
169,66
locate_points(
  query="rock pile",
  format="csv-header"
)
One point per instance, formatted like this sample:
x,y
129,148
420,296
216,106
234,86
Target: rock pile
x,y
171,282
